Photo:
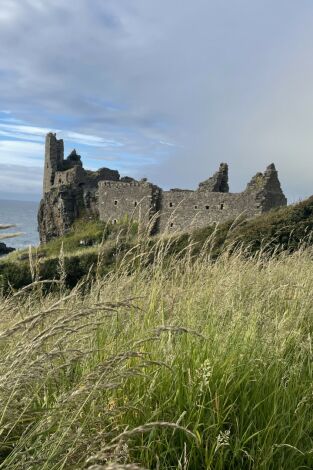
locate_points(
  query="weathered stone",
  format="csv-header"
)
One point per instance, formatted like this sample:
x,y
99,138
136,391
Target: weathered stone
x,y
127,179
71,192
218,183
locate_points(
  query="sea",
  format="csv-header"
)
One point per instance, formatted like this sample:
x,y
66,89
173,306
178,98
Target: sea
x,y
23,214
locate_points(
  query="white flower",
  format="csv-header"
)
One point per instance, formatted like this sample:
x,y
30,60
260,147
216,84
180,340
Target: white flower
x,y
222,439
204,374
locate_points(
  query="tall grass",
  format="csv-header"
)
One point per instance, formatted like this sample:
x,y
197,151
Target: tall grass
x,y
181,363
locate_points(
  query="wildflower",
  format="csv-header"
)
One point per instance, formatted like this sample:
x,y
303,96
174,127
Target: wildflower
x,y
222,439
204,374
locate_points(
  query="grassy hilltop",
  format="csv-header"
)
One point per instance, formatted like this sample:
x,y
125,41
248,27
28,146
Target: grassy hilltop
x,y
188,353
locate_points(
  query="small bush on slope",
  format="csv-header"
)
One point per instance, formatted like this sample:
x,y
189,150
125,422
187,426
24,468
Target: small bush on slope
x,y
176,365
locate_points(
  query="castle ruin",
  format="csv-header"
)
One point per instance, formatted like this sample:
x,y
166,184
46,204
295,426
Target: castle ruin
x,y
70,192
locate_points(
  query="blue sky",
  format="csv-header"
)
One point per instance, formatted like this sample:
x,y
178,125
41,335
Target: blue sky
x,y
161,89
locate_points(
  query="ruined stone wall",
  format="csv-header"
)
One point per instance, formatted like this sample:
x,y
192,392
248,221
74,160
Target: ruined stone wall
x,y
71,192
267,189
104,174
75,175
184,210
137,199
181,210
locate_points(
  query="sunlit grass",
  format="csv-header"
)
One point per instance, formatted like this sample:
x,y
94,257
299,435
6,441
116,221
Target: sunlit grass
x,y
182,363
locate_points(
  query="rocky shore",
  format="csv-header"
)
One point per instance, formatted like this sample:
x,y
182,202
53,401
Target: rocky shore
x,y
5,250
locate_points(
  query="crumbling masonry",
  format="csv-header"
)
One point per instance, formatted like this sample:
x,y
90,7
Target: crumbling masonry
x,y
70,191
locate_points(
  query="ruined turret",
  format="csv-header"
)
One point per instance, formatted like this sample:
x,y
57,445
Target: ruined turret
x,y
218,183
54,155
267,188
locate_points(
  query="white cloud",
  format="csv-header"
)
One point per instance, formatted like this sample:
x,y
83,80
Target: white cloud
x,y
90,140
21,153
224,81
8,11
35,133
17,180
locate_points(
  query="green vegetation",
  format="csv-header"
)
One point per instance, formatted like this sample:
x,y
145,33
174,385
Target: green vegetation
x,y
101,243
182,363
283,229
104,245
92,233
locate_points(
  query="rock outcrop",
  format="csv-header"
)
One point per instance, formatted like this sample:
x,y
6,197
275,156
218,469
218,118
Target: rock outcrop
x,y
5,250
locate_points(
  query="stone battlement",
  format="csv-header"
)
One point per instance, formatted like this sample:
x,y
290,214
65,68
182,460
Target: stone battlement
x,y
122,184
70,191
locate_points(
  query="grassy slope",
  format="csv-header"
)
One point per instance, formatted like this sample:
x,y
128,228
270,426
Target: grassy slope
x,y
167,359
282,229
66,254
190,365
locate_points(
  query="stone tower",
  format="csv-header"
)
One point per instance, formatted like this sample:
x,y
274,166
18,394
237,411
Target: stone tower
x,y
54,156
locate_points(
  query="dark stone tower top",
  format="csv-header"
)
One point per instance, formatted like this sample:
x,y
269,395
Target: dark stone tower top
x,y
54,155
72,160
218,183
74,157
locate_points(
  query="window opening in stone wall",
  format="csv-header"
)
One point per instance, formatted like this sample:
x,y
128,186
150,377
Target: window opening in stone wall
x,y
115,203
196,207
207,207
172,225
171,204
222,206
135,203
